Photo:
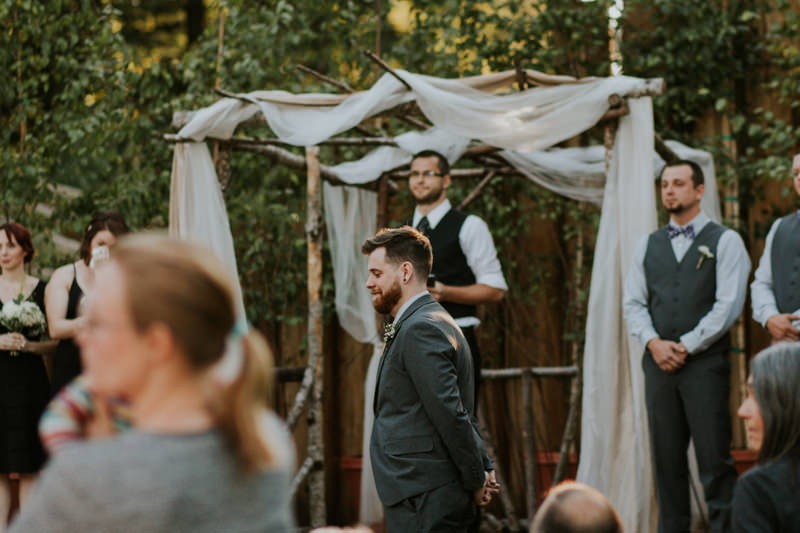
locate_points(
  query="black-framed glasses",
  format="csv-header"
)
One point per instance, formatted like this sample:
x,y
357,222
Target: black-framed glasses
x,y
424,174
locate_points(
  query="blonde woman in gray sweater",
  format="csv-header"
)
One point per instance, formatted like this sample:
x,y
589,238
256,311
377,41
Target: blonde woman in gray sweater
x,y
204,454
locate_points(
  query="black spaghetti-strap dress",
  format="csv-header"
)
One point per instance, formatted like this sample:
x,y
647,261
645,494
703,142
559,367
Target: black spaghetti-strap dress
x,y
24,393
67,360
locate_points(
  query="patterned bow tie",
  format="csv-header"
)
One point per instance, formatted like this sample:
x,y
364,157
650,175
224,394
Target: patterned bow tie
x,y
675,231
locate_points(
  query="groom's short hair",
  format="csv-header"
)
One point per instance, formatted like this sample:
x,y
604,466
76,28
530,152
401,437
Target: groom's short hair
x,y
573,507
403,244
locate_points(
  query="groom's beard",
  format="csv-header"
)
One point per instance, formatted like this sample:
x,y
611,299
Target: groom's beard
x,y
384,302
677,209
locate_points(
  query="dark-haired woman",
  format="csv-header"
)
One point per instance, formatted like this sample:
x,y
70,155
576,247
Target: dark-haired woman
x,y
767,497
204,455
68,286
24,388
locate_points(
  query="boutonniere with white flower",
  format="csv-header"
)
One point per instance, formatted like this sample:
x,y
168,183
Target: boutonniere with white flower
x,y
389,331
705,253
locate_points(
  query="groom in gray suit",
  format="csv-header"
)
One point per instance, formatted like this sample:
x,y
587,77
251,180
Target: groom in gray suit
x,y
430,465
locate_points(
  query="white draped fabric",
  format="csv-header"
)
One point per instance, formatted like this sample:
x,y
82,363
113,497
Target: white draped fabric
x,y
614,451
197,209
614,448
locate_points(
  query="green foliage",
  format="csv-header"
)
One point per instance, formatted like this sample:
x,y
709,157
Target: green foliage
x,y
453,38
94,108
725,59
697,46
77,112
266,203
160,27
85,105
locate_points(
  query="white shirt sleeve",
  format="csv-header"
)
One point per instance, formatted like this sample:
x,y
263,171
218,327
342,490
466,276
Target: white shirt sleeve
x,y
478,247
733,267
635,297
761,291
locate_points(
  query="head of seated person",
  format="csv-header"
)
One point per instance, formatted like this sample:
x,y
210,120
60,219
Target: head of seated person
x,y
771,409
573,507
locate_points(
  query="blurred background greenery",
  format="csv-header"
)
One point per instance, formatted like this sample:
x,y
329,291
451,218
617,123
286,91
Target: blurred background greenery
x,y
90,87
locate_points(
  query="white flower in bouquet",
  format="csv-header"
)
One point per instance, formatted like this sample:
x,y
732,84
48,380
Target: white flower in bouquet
x,y
23,317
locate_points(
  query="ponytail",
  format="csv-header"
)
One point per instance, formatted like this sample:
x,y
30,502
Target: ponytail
x,y
240,405
195,299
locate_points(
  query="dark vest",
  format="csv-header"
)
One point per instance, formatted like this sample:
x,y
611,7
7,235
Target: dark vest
x,y
680,294
786,264
449,262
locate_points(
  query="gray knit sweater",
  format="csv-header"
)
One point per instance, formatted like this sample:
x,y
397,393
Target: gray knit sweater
x,y
147,483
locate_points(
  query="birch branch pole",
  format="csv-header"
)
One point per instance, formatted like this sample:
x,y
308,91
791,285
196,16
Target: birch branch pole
x,y
316,446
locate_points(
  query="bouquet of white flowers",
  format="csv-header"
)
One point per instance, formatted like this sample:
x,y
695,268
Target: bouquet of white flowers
x,y
23,317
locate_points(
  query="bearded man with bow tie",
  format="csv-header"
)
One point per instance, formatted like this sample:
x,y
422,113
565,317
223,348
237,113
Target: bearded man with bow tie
x,y
684,291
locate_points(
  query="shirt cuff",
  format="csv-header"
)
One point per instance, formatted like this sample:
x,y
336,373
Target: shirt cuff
x,y
691,342
647,335
492,280
768,313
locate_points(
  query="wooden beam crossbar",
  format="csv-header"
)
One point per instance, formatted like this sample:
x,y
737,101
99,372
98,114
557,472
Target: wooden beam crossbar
x,y
477,190
385,66
272,141
327,79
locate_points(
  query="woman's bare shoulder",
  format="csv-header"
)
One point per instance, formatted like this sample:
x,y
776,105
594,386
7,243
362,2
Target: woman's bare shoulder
x,y
63,274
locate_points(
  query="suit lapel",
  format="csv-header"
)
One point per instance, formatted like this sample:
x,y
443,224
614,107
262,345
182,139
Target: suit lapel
x,y
418,303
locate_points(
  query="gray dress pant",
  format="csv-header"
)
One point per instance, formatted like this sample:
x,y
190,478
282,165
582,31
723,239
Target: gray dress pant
x,y
691,403
446,509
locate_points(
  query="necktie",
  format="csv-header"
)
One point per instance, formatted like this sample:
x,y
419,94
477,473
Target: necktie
x,y
674,231
424,226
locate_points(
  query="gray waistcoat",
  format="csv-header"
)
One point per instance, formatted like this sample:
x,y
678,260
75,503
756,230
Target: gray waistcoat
x,y
680,294
786,264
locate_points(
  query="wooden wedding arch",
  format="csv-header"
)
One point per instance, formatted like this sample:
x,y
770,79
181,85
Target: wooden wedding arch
x,y
308,398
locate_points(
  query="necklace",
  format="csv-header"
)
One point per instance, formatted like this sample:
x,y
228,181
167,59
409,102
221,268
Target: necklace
x,y
22,286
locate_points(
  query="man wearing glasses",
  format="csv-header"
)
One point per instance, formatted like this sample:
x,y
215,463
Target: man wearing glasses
x,y
466,271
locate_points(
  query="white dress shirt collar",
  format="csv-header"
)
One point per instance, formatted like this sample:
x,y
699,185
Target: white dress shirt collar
x,y
435,216
408,303
697,223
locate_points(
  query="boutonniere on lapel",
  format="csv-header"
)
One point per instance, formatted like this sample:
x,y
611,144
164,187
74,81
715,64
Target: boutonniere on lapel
x,y
705,253
389,331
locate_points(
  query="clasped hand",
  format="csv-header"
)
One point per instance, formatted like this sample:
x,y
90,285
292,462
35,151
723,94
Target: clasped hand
x,y
669,356
483,496
13,341
781,329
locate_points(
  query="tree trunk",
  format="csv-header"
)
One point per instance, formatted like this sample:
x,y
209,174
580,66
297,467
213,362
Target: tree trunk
x,y
195,19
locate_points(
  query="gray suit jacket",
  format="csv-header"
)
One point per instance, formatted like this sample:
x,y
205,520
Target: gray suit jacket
x,y
424,435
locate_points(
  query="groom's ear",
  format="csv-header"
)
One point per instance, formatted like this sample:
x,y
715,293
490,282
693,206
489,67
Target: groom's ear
x,y
407,270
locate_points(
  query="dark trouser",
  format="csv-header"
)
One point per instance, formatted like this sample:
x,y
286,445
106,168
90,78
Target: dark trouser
x,y
469,334
692,402
446,509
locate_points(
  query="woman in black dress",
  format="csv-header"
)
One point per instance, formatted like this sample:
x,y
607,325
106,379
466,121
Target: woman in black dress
x,y
767,497
67,288
24,388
